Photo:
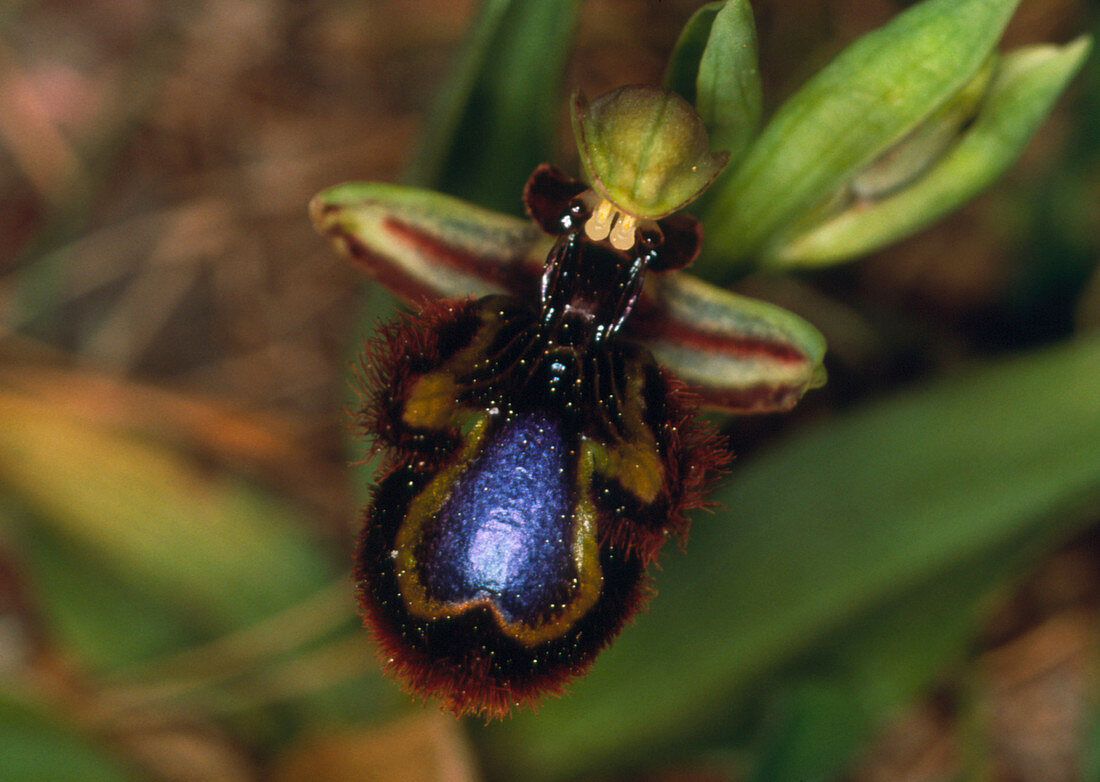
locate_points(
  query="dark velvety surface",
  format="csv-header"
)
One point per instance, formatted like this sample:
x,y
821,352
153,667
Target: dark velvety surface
x,y
466,660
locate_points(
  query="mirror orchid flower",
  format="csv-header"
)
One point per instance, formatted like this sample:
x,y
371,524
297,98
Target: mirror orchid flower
x,y
537,415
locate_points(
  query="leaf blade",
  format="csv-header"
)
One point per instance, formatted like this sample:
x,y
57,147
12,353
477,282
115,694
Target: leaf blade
x,y
830,526
1028,84
37,744
859,105
683,63
494,119
728,92
215,552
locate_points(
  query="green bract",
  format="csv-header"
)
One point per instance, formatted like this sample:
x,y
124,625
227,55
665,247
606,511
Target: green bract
x,y
644,149
907,123
1025,84
714,66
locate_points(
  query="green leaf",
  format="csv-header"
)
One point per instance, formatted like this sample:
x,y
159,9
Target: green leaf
x,y
683,64
808,732
923,146
88,619
1027,83
495,118
865,101
864,672
826,529
728,91
38,745
208,547
1090,760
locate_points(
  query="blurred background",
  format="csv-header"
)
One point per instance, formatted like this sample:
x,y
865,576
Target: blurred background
x,y
175,342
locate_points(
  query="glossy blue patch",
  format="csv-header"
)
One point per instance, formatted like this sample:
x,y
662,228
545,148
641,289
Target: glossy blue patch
x,y
504,532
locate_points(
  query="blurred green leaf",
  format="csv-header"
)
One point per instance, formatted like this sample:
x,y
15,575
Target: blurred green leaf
x,y
86,605
1090,760
206,547
865,101
923,146
1027,83
827,529
808,731
870,668
715,66
36,745
495,118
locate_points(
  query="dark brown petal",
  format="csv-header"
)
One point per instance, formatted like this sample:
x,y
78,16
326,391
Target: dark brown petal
x,y
547,195
683,237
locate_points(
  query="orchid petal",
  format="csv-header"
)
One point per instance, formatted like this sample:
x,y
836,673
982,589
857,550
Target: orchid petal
x,y
737,353
422,244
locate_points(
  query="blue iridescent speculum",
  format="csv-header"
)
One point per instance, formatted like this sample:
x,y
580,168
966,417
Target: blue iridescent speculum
x,y
535,461
499,531
505,534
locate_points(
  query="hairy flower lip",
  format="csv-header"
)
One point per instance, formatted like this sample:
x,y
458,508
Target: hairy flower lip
x,y
480,414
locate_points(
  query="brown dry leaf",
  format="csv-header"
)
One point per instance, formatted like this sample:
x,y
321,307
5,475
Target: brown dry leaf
x,y
277,449
917,747
1037,698
182,752
1031,691
429,747
21,637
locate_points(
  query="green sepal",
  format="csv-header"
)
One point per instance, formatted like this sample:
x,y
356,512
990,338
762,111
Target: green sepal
x,y
420,243
644,149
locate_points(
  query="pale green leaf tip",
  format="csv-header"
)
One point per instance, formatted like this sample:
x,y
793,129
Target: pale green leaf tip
x,y
1078,50
728,93
329,207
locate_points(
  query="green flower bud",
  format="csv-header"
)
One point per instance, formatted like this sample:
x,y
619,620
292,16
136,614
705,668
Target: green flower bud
x,y
645,152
